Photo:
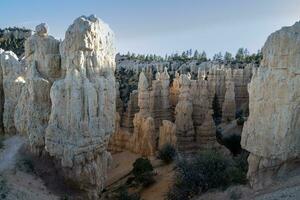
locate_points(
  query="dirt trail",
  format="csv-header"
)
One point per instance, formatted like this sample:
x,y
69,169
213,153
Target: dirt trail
x,y
19,185
9,152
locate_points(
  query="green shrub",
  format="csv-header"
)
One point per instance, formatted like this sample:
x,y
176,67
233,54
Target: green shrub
x,y
233,143
65,197
241,160
143,172
3,188
167,153
238,173
235,195
240,121
1,142
239,114
141,165
25,164
205,171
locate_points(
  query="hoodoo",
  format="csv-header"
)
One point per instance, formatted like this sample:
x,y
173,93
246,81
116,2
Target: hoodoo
x,y
83,104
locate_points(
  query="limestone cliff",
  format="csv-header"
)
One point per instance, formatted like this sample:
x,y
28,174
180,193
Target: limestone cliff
x,y
271,133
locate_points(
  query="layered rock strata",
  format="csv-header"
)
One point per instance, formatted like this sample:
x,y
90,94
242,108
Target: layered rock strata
x,y
241,78
159,98
132,109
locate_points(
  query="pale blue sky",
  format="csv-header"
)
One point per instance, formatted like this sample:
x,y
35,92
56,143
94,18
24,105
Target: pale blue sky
x,y
163,26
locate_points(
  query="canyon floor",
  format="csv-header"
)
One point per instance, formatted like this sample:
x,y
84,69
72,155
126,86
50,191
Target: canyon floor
x,y
16,184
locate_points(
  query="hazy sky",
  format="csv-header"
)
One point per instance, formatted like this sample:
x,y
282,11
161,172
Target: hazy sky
x,y
163,26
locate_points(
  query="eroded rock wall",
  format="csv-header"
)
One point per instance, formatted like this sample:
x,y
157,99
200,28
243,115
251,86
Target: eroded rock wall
x,y
271,133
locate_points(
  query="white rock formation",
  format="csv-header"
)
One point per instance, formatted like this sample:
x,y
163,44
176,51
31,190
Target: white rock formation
x,y
34,105
12,81
83,105
43,50
271,133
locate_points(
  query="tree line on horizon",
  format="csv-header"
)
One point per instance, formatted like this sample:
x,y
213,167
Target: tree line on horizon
x,y
11,43
242,56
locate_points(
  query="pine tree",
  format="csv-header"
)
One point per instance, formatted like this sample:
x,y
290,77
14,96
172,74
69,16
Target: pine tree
x,y
203,57
218,57
240,56
196,55
228,57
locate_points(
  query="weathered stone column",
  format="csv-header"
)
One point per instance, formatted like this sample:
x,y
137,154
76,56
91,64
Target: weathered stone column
x,y
34,105
184,123
84,105
144,136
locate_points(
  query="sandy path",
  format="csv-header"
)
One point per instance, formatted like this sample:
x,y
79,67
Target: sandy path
x,y
164,181
21,185
9,152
